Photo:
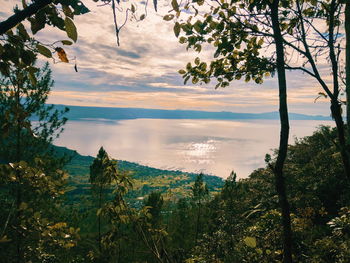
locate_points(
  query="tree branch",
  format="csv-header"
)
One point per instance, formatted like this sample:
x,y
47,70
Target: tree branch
x,y
21,15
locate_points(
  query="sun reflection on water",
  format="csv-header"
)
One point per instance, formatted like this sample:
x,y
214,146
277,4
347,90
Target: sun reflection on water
x,y
200,152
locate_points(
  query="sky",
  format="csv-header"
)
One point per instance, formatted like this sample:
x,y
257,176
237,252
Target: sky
x,y
143,71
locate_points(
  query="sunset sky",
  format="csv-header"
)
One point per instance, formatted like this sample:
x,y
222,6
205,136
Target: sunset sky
x,y
142,72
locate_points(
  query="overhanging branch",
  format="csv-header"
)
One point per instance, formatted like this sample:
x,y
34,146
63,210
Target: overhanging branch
x,y
21,15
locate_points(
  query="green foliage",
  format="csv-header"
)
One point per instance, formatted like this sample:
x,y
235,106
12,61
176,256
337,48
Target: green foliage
x,y
59,14
199,189
245,224
237,36
32,181
154,203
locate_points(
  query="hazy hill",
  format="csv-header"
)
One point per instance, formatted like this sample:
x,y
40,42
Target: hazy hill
x,y
81,113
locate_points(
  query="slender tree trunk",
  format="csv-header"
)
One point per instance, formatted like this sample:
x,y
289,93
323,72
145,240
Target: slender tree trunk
x,y
20,255
343,146
99,221
347,74
335,105
197,224
283,146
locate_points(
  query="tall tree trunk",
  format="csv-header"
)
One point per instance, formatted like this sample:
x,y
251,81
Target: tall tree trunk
x,y
99,221
347,73
19,248
283,146
335,105
197,223
343,145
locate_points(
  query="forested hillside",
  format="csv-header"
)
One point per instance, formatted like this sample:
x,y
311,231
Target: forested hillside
x,y
173,185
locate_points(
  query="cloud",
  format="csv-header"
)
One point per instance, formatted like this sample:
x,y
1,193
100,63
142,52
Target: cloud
x,y
142,72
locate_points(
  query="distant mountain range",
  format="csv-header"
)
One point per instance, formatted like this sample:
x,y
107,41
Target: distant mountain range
x,y
83,113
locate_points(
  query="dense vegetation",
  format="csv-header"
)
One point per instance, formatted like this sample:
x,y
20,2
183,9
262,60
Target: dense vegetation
x,y
238,223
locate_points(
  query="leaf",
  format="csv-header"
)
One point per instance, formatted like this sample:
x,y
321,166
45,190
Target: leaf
x,y
23,206
36,215
142,17
22,31
177,29
71,29
44,51
250,241
168,17
66,42
181,71
4,239
133,9
67,11
37,23
197,61
62,54
323,94
32,78
320,94
155,2
175,5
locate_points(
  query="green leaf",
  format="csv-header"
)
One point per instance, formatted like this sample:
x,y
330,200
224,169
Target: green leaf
x,y
23,206
168,17
37,23
22,31
67,11
133,9
182,71
44,51
250,241
66,42
32,78
71,29
142,17
197,61
175,5
177,29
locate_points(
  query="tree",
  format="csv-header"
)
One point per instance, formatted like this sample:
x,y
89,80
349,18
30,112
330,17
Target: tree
x,y
155,203
199,193
102,174
317,44
347,69
31,173
238,30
